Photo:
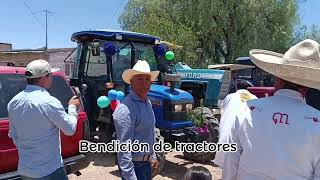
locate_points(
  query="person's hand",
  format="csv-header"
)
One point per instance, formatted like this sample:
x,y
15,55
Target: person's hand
x,y
154,166
75,101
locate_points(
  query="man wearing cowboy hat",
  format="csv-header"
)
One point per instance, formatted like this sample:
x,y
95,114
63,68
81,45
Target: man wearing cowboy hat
x,y
134,121
278,137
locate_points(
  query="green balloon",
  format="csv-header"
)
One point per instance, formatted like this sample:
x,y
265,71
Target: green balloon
x,y
103,101
169,55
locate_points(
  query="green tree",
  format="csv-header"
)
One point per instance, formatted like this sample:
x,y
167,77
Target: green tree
x,y
214,31
303,32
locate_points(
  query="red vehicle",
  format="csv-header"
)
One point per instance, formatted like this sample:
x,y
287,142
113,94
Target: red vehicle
x,y
12,81
262,91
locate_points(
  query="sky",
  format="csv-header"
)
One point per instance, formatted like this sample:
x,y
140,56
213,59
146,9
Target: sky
x,y
22,22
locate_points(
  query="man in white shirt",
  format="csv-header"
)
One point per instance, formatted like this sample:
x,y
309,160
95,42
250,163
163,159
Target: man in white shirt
x,y
278,137
231,105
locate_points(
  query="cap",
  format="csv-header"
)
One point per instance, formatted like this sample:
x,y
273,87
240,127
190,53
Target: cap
x,y
39,68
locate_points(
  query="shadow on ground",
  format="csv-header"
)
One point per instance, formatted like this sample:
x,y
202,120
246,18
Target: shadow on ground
x,y
207,163
174,170
102,159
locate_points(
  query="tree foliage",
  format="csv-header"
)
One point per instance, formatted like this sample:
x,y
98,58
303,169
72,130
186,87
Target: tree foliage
x,y
214,31
303,32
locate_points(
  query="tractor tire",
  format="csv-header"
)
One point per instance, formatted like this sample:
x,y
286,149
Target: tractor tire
x,y
161,156
213,137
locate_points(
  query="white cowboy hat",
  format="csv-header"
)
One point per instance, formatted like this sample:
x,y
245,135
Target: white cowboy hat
x,y
299,65
141,67
231,67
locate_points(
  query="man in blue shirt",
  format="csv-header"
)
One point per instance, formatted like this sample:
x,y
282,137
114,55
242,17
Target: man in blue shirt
x,y
35,120
134,121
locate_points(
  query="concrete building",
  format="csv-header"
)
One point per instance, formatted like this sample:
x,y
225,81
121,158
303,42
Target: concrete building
x,y
5,47
59,57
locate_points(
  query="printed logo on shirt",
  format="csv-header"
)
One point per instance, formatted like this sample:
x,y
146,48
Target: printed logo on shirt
x,y
280,118
314,119
253,108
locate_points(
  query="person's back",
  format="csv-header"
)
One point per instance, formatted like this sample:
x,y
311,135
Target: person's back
x,y
35,114
279,138
35,118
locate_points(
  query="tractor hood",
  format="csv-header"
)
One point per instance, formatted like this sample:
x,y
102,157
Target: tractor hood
x,y
163,92
187,72
201,74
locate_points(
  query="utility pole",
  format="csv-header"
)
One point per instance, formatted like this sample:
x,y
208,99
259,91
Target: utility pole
x,y
46,11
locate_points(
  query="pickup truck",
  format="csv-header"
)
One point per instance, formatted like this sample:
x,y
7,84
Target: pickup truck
x,y
12,81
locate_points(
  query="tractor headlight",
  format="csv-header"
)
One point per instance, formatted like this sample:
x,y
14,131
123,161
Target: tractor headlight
x,y
189,107
178,108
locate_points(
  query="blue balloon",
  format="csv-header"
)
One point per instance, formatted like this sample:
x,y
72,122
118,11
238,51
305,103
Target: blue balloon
x,y
112,94
120,95
160,49
103,101
109,49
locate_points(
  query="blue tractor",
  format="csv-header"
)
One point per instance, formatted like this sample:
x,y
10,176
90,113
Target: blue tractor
x,y
209,85
102,56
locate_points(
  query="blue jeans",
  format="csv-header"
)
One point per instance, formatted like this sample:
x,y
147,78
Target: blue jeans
x,y
59,174
142,170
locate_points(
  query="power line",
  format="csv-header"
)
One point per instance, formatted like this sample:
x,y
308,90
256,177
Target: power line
x,y
46,14
116,12
46,11
32,13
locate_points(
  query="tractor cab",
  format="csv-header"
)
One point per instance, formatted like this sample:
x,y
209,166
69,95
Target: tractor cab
x,y
237,72
101,58
262,81
255,75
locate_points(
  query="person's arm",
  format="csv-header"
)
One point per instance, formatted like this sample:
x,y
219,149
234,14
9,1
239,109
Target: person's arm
x,y
231,161
12,130
124,126
66,122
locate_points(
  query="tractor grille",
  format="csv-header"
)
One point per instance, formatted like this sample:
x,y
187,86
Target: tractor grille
x,y
224,90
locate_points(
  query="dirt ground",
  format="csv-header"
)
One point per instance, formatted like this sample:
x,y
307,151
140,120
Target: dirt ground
x,y
102,167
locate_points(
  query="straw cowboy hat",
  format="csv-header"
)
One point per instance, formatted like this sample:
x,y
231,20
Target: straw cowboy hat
x,y
299,65
231,67
141,67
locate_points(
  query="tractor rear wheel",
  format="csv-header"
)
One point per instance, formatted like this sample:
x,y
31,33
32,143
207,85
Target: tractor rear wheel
x,y
212,137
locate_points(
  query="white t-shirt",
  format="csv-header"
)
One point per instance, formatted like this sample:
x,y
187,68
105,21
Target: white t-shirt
x,y
230,106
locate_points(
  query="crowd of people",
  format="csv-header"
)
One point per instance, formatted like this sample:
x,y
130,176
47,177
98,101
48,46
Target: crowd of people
x,y
277,137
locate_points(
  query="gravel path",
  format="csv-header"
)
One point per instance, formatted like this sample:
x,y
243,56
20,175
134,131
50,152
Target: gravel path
x,y
102,167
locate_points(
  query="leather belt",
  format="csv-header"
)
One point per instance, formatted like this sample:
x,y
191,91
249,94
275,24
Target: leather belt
x,y
146,157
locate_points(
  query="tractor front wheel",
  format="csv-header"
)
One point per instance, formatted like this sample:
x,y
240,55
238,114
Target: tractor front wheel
x,y
211,137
